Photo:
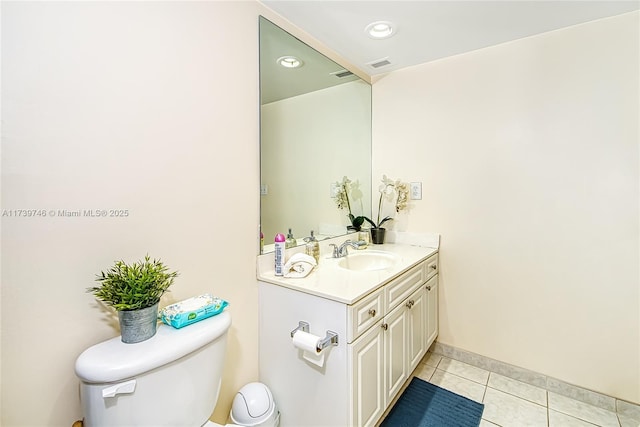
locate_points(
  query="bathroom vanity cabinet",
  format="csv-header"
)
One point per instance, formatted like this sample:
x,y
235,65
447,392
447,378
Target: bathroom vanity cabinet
x,y
382,336
382,358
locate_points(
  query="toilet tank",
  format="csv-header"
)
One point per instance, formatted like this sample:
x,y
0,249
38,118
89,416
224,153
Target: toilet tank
x,y
171,379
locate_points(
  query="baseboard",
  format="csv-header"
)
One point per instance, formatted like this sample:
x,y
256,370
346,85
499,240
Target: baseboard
x,y
629,409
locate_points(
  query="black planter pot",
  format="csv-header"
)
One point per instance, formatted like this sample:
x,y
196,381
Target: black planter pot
x,y
377,235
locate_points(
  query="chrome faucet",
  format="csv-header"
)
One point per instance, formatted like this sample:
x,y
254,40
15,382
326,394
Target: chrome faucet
x,y
343,250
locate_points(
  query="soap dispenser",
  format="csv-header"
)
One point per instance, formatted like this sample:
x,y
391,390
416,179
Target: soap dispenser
x,y
291,241
312,248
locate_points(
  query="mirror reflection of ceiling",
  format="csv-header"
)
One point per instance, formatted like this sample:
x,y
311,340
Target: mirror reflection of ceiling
x,y
313,132
278,82
434,29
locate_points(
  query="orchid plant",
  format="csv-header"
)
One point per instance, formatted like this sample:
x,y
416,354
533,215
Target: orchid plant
x,y
393,191
345,187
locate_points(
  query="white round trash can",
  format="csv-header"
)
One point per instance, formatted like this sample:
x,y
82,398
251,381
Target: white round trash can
x,y
253,406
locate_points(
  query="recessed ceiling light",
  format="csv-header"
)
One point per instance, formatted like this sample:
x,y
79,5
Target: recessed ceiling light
x,y
290,62
380,30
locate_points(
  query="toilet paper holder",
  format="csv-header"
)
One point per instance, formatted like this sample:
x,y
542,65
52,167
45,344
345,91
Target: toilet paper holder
x,y
302,326
331,338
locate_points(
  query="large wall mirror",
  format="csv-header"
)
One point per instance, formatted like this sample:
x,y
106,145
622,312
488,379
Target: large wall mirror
x,y
315,129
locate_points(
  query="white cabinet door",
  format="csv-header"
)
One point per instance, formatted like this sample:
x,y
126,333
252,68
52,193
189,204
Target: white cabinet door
x,y
368,388
416,337
432,310
395,342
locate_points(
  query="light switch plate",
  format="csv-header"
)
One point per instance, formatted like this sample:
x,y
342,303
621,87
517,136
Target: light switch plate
x,y
416,191
264,189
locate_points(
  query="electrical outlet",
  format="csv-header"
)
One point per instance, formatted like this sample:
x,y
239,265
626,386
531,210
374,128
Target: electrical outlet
x,y
416,191
264,189
333,189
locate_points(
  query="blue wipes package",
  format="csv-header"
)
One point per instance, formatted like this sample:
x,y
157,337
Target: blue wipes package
x,y
192,310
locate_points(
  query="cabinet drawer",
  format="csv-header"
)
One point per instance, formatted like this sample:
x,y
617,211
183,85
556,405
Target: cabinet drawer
x,y
401,287
364,313
431,266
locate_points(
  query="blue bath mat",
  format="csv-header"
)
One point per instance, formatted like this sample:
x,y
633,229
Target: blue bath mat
x,y
423,404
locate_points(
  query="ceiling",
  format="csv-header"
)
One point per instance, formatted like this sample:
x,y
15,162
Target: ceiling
x,y
429,30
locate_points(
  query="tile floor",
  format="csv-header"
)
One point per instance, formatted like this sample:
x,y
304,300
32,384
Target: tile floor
x,y
511,403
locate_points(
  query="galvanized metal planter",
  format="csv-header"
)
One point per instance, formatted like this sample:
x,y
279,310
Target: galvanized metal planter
x,y
138,325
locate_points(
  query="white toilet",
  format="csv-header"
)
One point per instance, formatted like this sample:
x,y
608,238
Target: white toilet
x,y
172,379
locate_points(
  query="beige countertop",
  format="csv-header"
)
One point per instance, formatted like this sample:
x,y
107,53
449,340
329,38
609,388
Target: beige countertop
x,y
329,280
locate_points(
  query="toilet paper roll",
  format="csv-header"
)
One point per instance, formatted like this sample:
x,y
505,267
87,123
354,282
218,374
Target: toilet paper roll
x,y
308,343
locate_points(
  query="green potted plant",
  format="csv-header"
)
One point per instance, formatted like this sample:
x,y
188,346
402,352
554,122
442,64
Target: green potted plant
x,y
393,191
342,200
134,291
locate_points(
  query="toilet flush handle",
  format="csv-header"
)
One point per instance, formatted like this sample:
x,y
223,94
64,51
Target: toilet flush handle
x,y
125,387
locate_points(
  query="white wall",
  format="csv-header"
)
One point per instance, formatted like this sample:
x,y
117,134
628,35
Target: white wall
x,y
307,135
123,105
528,152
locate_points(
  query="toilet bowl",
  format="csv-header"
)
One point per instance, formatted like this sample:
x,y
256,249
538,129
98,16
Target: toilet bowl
x,y
171,379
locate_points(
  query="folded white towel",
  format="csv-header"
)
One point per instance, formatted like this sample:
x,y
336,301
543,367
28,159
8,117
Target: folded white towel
x,y
299,265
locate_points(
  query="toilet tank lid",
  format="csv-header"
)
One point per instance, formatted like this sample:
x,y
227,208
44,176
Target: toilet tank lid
x,y
113,360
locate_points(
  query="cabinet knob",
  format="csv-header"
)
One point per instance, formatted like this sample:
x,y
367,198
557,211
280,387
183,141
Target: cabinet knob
x,y
385,326
410,303
433,267
372,312
428,288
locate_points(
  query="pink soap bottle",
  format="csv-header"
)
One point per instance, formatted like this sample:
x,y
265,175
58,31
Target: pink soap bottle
x,y
279,253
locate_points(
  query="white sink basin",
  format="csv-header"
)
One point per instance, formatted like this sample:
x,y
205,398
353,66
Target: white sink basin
x,y
368,260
